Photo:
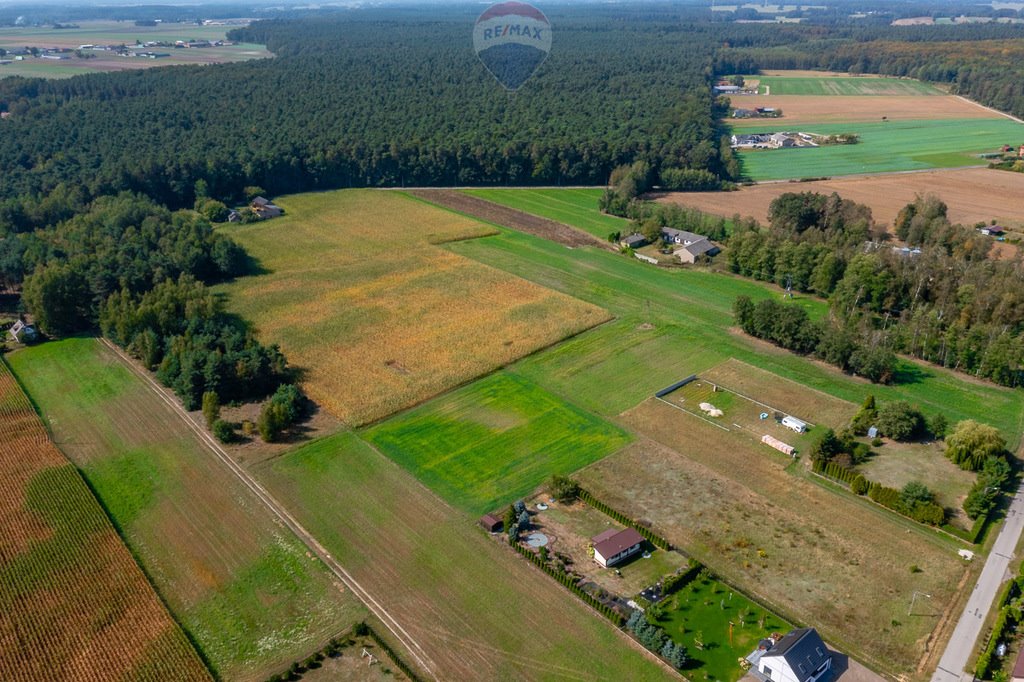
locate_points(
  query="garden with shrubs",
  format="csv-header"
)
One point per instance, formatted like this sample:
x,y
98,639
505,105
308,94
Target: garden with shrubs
x,y
969,446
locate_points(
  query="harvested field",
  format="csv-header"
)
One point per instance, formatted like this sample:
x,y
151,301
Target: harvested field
x,y
781,536
972,194
380,318
493,441
811,109
477,609
242,586
509,217
73,603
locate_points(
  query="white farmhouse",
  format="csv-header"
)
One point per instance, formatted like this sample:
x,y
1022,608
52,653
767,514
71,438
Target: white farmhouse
x,y
799,656
613,546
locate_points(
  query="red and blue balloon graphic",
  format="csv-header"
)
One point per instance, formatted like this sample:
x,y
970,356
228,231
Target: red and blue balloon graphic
x,y
512,39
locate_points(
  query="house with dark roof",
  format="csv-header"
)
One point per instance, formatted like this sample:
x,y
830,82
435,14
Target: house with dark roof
x,y
693,245
798,656
633,241
613,546
264,209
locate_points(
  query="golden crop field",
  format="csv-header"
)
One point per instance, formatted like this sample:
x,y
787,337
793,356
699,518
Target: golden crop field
x,y
360,296
73,603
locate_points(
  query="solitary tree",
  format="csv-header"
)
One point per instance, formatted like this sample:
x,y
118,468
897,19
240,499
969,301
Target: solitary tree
x,y
971,443
211,408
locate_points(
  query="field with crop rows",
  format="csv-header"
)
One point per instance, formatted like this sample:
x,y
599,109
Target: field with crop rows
x,y
800,110
570,206
839,85
73,603
359,295
494,441
883,147
244,588
479,611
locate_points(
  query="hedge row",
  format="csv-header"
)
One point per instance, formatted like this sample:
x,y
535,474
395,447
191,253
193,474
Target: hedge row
x,y
597,504
570,582
927,513
399,663
678,581
987,661
835,471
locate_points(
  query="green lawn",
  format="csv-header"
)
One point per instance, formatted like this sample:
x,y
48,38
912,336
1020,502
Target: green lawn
x,y
883,147
494,441
477,609
613,367
574,207
838,85
244,588
703,610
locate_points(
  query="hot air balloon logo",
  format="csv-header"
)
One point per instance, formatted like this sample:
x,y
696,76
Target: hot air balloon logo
x,y
512,39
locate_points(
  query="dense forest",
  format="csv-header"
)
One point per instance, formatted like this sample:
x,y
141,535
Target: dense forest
x,y
374,98
944,301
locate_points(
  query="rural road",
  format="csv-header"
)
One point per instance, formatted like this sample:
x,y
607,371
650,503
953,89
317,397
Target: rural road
x,y
414,649
965,636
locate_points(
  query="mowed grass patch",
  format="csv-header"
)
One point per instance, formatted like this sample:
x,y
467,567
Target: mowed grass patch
x,y
494,441
883,147
243,587
813,556
727,623
576,207
359,296
73,603
477,609
673,323
833,85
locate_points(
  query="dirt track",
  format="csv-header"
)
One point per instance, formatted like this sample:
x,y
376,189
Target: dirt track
x,y
508,217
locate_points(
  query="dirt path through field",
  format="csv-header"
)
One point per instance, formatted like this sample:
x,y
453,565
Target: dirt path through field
x,y
508,217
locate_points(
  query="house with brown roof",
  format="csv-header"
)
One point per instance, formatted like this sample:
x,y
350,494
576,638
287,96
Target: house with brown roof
x,y
613,546
264,209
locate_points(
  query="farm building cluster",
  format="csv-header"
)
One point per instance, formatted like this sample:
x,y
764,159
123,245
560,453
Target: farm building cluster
x,y
773,140
757,112
143,50
686,247
259,208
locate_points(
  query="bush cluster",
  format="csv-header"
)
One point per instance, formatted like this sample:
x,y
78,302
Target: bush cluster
x,y
1010,604
914,500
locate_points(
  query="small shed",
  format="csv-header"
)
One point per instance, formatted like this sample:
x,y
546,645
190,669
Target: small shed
x,y
633,241
23,332
491,523
795,424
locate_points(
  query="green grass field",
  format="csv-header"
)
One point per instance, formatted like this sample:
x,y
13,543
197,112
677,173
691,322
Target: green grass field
x,y
883,147
570,206
242,587
835,85
494,441
476,608
615,366
703,610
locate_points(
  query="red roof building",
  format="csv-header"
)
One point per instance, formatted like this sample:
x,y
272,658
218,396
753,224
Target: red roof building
x,y
613,546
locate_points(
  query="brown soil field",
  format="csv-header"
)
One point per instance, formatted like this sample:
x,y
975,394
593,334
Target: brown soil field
x,y
73,603
509,217
972,194
757,519
380,318
813,109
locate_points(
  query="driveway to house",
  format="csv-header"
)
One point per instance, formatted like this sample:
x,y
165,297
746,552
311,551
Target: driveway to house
x,y
954,660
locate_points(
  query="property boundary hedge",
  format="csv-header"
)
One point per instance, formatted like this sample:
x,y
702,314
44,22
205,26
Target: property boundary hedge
x,y
570,582
646,532
1006,619
335,645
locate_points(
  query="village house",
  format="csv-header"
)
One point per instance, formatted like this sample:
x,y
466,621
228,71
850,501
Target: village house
x,y
264,209
992,230
633,241
798,656
614,546
693,246
780,140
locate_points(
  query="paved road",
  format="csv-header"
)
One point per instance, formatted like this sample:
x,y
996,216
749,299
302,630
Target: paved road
x,y
286,518
965,636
